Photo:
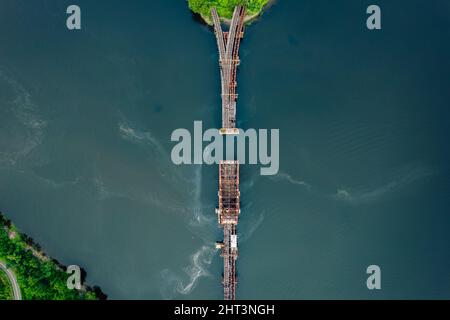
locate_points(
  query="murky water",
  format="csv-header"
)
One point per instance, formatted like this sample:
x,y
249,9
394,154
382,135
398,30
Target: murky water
x,y
85,124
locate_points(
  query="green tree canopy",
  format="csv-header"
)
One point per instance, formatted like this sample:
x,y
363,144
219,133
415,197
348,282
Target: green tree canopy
x,y
225,7
39,277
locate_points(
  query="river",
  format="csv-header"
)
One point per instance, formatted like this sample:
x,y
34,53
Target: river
x,y
85,168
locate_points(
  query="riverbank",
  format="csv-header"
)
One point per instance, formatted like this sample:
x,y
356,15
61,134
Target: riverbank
x,y
39,276
225,9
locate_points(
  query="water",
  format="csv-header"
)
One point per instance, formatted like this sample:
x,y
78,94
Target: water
x,y
364,178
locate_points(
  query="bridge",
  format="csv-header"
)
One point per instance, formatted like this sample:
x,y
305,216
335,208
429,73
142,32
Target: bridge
x,y
228,45
227,215
229,194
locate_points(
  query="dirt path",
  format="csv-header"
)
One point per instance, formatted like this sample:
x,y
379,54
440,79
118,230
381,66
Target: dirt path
x,y
12,278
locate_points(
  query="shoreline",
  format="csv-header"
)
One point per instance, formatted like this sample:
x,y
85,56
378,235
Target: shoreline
x,y
25,244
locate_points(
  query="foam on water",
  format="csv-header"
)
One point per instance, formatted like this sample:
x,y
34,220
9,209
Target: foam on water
x,y
26,112
408,176
173,283
282,176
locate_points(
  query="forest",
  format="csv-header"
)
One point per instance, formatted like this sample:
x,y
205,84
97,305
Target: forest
x,y
225,7
5,287
39,277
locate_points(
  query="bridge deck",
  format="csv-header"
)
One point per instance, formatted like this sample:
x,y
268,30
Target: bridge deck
x,y
228,45
227,214
229,196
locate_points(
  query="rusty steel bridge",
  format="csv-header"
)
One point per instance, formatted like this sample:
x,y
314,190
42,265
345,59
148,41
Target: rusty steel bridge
x,y
229,194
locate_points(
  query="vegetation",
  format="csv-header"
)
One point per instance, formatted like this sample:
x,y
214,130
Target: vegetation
x,y
39,277
6,292
225,7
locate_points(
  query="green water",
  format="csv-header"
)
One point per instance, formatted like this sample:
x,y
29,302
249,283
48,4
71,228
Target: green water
x,y
85,169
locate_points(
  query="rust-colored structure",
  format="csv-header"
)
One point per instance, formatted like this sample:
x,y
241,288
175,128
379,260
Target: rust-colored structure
x,y
227,215
228,45
229,194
